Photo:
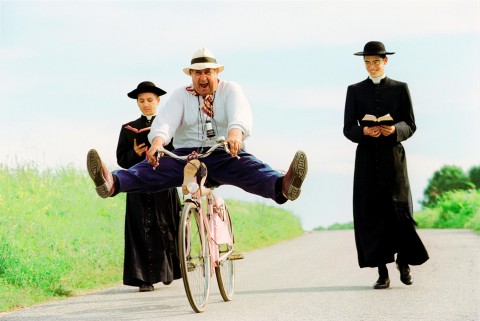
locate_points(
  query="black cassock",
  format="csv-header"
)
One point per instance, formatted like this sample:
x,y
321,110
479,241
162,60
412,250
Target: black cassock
x,y
151,221
382,201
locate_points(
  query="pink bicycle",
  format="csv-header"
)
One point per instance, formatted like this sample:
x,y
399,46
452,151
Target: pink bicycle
x,y
205,235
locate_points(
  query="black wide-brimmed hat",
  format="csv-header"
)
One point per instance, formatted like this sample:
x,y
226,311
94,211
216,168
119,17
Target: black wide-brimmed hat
x,y
146,87
373,48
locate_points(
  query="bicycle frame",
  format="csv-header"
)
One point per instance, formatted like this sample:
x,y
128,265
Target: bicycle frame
x,y
209,216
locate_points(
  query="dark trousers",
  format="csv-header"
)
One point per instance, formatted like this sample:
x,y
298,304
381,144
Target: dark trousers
x,y
246,172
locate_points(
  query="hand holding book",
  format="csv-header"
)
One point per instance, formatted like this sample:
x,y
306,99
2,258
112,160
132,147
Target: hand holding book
x,y
376,127
140,148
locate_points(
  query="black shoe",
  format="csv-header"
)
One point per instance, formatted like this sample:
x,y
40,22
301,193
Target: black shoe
x,y
383,282
147,287
167,282
405,275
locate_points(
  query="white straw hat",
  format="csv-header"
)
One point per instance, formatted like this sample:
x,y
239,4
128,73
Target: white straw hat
x,y
203,59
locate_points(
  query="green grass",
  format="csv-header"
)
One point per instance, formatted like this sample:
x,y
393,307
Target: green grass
x,y
336,226
257,225
58,238
454,209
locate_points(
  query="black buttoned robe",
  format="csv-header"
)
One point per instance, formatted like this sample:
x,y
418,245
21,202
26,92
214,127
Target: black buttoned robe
x,y
382,201
151,222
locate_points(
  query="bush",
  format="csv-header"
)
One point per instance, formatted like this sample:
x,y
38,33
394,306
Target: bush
x,y
448,178
454,209
474,175
427,217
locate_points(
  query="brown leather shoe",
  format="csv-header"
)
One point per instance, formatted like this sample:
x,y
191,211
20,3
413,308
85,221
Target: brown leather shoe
x,y
292,181
100,175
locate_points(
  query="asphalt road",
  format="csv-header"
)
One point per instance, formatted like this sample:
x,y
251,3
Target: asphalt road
x,y
314,277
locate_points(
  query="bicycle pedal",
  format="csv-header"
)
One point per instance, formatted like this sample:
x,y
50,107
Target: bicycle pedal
x,y
191,267
236,256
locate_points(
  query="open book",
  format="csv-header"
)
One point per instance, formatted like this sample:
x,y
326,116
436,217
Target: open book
x,y
139,134
371,120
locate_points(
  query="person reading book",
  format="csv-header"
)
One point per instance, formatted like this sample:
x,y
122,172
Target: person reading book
x,y
151,219
378,117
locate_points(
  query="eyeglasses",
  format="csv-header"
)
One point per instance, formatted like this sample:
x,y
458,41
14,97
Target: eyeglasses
x,y
374,62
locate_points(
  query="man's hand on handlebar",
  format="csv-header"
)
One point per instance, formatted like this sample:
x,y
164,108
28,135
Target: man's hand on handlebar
x,y
157,147
234,141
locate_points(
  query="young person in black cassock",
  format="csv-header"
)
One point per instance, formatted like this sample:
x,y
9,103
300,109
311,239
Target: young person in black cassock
x,y
382,201
151,221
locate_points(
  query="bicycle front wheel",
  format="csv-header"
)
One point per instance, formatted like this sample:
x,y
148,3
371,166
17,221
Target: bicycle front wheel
x,y
225,271
194,257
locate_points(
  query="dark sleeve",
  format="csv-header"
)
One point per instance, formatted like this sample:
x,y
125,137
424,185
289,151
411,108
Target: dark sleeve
x,y
351,129
126,156
406,127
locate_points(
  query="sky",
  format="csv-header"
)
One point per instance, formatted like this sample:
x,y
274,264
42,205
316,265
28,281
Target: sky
x,y
66,68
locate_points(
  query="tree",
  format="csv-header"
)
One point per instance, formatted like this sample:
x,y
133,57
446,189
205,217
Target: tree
x,y
474,175
449,177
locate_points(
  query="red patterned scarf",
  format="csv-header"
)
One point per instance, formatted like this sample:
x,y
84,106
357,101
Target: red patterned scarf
x,y
207,106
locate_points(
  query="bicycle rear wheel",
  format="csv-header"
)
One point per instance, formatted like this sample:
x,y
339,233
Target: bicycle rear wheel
x,y
225,271
194,257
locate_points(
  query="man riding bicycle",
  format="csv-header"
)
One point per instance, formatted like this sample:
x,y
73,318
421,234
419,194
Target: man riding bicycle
x,y
196,115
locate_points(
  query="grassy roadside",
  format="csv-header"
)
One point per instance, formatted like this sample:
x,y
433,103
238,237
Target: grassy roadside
x,y
58,238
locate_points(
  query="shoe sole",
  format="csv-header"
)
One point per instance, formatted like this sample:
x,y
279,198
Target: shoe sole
x,y
300,168
94,167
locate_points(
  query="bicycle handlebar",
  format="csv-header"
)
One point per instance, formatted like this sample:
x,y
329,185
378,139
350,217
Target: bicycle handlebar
x,y
220,143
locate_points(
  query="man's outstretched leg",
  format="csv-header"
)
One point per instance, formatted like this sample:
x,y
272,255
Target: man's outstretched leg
x,y
100,175
141,177
256,177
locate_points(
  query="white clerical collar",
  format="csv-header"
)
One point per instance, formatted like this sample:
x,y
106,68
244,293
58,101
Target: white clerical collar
x,y
149,117
376,80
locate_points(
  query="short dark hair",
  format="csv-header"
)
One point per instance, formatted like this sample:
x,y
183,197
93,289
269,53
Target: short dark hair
x,y
381,56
